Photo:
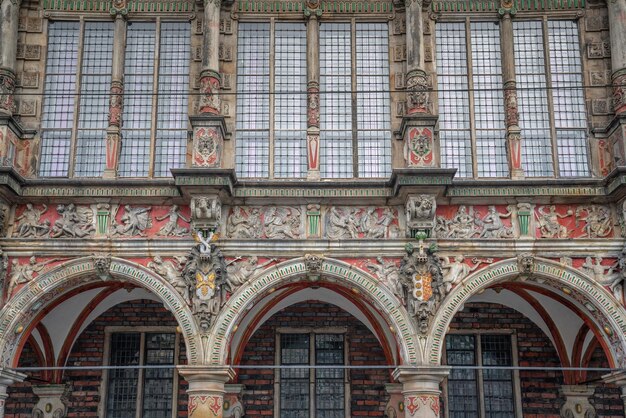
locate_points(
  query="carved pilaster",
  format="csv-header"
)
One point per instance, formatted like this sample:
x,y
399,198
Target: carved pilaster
x,y
52,401
210,101
7,89
577,401
312,12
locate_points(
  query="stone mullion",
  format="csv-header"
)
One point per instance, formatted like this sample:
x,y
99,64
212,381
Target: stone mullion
x,y
116,100
513,131
9,10
313,93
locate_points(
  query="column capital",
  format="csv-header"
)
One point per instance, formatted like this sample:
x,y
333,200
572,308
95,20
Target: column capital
x,y
214,374
421,378
9,377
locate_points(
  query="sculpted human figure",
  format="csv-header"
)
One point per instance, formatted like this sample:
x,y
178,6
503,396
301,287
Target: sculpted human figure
x,y
460,226
171,273
244,223
389,274
282,222
29,223
242,271
24,273
337,224
456,270
607,276
549,225
597,222
134,222
74,222
171,228
492,224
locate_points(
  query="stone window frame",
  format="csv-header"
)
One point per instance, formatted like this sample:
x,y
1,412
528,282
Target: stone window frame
x,y
119,53
508,39
106,355
517,388
312,331
312,66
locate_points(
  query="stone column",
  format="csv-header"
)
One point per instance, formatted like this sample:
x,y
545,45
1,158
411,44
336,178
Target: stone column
x,y
206,390
209,127
9,13
51,403
233,407
619,380
116,96
617,31
513,131
577,401
420,387
395,405
7,378
313,12
418,125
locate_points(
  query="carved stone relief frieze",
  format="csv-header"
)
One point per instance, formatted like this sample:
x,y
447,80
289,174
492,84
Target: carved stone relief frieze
x,y
274,222
133,222
348,222
468,223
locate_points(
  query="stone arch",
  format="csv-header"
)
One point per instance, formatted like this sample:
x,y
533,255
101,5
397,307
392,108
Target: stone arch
x,y
337,271
600,305
17,314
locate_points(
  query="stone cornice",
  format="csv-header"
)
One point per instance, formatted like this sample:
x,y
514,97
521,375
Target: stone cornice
x,y
493,6
134,6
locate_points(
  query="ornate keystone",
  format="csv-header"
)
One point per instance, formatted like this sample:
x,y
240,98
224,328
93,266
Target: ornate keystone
x,y
420,214
206,212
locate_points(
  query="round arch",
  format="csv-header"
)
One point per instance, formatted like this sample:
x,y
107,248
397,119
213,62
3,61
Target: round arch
x,y
17,314
331,270
592,298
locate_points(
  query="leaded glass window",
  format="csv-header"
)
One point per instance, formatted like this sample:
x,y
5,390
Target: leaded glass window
x,y
469,72
141,392
312,393
76,98
481,392
550,98
272,100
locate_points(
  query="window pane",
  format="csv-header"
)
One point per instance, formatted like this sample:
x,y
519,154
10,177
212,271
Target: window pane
x,y
498,384
532,93
59,95
454,116
294,382
173,89
138,84
122,388
158,383
373,103
336,101
462,389
253,111
568,97
491,157
95,84
290,108
329,383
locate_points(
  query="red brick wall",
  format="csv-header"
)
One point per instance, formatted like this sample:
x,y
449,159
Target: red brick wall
x,y
368,396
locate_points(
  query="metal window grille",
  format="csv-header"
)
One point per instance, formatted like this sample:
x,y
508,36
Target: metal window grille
x,y
568,98
173,90
373,102
253,95
453,85
488,99
466,398
294,382
158,384
290,100
138,87
122,385
336,101
95,83
532,93
59,97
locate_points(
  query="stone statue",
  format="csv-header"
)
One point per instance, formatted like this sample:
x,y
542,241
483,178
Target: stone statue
x,y
29,223
492,226
205,276
389,274
549,225
457,270
244,223
242,271
607,276
172,273
282,222
75,222
422,281
25,273
134,222
171,227
598,223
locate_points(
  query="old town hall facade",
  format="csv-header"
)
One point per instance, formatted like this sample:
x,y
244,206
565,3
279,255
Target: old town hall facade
x,y
312,208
